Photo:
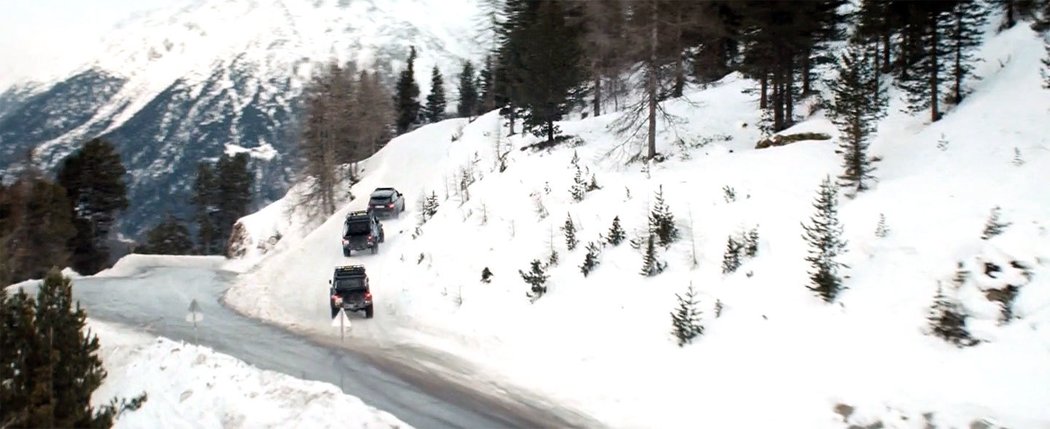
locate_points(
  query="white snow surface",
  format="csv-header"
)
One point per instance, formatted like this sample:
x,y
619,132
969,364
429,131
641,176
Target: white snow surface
x,y
190,386
777,356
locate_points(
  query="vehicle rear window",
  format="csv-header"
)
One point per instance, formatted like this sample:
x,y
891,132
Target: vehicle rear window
x,y
357,228
350,284
379,200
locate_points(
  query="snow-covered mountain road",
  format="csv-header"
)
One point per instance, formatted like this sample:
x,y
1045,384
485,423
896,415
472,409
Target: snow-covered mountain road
x,y
409,382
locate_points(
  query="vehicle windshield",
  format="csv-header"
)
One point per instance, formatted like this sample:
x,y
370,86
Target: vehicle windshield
x,y
350,284
357,227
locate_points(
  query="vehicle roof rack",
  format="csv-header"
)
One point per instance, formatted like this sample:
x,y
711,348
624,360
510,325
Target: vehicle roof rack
x,y
357,213
350,269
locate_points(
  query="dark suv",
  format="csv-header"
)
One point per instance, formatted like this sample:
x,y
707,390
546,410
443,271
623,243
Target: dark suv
x,y
386,202
361,231
350,290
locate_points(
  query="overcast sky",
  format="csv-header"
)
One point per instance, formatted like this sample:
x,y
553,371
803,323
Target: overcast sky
x,y
41,36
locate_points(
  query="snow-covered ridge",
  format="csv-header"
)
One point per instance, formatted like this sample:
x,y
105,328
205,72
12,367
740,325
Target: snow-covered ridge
x,y
190,386
774,355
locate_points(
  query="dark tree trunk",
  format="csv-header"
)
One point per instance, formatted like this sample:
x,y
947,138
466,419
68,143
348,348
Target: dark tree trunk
x,y
789,100
885,51
763,101
597,93
934,83
805,71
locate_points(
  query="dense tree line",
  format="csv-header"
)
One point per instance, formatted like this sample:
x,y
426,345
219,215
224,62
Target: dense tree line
x,y
348,116
221,195
551,56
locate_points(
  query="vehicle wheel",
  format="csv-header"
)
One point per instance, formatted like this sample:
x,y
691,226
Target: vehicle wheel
x,y
368,312
335,312
375,248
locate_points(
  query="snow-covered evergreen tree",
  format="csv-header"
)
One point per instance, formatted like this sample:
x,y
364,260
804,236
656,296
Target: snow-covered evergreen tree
x,y
1046,64
578,188
751,243
881,230
686,322
616,233
947,319
593,184
590,260
994,226
536,278
570,233
858,106
730,193
1018,160
651,264
661,220
430,208
434,110
824,235
731,259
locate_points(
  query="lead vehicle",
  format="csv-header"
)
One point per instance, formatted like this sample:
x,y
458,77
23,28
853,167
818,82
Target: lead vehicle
x,y
349,290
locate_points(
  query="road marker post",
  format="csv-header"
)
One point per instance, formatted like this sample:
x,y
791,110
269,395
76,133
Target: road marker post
x,y
342,322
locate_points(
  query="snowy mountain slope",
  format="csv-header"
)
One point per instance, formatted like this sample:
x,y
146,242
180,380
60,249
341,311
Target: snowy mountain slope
x,y
189,386
775,355
180,85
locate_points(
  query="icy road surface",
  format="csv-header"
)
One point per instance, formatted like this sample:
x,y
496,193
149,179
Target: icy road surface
x,y
157,299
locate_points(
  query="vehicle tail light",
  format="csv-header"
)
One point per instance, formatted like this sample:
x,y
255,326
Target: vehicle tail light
x,y
368,296
390,206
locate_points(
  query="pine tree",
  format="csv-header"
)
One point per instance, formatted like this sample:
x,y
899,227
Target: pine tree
x,y
94,181
170,237
651,265
590,261
548,68
751,243
234,181
929,22
324,144
994,226
825,244
947,319
1046,62
881,230
731,259
205,196
435,109
468,92
1015,10
486,275
616,233
569,229
406,101
536,279
661,220
593,184
35,227
578,188
859,104
686,322
967,20
431,207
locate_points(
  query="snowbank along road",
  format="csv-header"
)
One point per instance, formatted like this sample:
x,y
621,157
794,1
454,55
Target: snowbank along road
x,y
410,382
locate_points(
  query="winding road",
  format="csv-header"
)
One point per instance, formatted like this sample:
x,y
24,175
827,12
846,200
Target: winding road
x,y
438,394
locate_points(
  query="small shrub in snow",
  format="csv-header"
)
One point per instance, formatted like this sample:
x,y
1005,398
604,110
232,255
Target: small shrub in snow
x,y
431,206
645,170
994,226
1046,63
1018,161
536,278
486,275
825,243
579,186
731,259
547,188
616,233
627,194
730,193
718,308
661,220
942,143
881,230
686,323
593,184
541,209
590,260
569,229
751,243
947,319
651,265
